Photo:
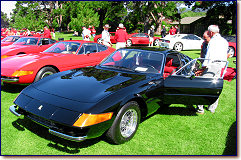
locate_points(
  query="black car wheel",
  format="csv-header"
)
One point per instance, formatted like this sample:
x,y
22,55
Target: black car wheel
x,y
128,43
156,42
231,51
178,46
125,124
44,72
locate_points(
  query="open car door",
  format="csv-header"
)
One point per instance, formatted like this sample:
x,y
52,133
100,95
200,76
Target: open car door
x,y
184,87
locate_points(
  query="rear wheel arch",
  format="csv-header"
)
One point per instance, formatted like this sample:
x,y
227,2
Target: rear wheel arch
x,y
139,100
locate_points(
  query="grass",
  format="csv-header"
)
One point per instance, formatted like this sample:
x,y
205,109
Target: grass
x,y
177,130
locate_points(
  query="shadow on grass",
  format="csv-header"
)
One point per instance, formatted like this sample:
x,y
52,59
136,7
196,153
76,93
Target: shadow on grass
x,y
54,141
12,88
231,141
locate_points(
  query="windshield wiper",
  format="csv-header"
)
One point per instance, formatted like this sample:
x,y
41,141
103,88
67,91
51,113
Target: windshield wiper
x,y
120,67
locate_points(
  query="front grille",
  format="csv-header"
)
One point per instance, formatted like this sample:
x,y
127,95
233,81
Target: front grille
x,y
41,121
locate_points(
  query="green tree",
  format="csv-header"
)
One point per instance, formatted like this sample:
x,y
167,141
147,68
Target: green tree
x,y
151,12
4,20
83,16
219,12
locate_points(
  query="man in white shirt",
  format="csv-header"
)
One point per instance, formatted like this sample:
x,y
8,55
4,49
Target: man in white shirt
x,y
106,36
216,51
86,33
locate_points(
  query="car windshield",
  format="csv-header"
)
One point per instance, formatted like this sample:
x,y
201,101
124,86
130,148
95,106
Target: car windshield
x,y
26,41
135,60
64,48
11,39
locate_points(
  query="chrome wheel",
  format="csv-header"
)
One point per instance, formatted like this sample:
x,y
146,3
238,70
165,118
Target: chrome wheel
x,y
156,42
231,51
99,40
128,43
45,74
128,123
178,47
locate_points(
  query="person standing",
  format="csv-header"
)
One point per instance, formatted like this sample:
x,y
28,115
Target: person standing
x,y
47,33
172,31
121,37
151,35
177,29
216,51
86,34
204,44
163,31
106,36
93,31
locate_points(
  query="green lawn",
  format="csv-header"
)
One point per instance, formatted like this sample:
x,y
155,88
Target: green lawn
x,y
177,130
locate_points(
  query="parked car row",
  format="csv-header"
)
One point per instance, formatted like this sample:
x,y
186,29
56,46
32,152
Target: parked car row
x,y
84,89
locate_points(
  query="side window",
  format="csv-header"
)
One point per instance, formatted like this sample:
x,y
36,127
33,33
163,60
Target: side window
x,y
175,60
52,41
185,37
193,37
101,47
88,48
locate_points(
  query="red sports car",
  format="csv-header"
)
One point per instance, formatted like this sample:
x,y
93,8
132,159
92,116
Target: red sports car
x,y
65,55
27,45
232,45
141,39
98,38
10,40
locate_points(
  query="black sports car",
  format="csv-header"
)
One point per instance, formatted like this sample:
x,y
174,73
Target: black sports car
x,y
112,97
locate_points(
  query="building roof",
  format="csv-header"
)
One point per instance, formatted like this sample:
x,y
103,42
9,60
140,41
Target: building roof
x,y
188,20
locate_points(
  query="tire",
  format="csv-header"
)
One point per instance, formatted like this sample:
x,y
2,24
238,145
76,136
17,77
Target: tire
x,y
231,51
99,40
128,43
156,42
44,72
125,124
178,46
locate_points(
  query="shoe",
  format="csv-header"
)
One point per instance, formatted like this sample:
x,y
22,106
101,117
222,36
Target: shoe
x,y
200,111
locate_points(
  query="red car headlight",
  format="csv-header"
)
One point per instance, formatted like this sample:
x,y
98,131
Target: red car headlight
x,y
21,73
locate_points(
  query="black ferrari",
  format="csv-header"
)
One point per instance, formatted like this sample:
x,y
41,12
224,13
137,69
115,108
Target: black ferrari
x,y
112,97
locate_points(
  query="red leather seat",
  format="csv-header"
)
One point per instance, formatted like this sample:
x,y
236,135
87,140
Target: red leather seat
x,y
168,67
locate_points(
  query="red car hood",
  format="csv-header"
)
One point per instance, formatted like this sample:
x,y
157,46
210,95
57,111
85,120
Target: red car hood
x,y
6,43
6,50
19,61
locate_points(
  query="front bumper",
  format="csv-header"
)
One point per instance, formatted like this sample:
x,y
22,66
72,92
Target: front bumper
x,y
47,124
5,79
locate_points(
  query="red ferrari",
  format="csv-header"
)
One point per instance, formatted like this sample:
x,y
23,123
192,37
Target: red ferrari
x,y
98,38
65,55
10,40
231,45
141,39
26,45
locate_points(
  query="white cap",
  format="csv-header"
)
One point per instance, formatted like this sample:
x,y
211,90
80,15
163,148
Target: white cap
x,y
213,28
152,27
121,25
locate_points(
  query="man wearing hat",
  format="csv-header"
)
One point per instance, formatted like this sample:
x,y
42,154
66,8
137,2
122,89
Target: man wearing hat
x,y
121,36
151,35
106,36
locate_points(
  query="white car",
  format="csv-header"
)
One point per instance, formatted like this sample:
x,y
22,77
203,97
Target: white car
x,y
181,42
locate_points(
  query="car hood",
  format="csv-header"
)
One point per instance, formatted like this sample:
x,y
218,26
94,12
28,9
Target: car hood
x,y
88,85
19,61
8,49
6,43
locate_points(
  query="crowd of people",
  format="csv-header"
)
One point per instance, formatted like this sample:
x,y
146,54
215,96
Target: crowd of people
x,y
46,32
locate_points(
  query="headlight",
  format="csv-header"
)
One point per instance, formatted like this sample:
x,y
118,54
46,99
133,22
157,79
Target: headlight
x,y
21,73
4,56
91,119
